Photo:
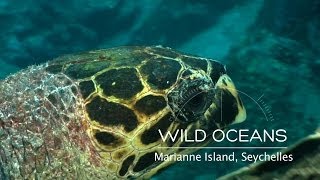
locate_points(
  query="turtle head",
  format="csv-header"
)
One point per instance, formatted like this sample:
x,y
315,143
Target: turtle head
x,y
209,98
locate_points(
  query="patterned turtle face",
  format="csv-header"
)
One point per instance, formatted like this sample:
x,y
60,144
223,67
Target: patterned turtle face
x,y
131,93
212,102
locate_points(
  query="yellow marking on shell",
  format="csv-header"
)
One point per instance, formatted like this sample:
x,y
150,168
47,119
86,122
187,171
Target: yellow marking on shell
x,y
129,137
108,148
94,126
136,140
132,140
113,167
156,148
97,126
148,118
127,103
178,59
146,87
106,156
120,154
241,116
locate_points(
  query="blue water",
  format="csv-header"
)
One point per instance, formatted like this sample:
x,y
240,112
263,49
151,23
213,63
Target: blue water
x,y
271,49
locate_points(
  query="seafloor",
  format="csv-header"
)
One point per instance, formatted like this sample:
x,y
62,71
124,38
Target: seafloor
x,y
271,49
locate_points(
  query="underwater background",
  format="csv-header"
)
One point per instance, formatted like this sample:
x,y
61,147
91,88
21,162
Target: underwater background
x,y
271,49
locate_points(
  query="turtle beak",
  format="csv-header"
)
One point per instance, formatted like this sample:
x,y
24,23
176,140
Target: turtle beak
x,y
227,107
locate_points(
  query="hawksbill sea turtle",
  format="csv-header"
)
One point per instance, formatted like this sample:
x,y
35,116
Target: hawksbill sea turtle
x,y
96,115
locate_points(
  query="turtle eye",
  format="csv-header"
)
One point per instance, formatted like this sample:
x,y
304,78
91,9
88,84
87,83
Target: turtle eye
x,y
192,106
191,96
196,102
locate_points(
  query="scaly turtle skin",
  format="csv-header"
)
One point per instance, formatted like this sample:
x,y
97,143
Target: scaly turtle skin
x,y
96,115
